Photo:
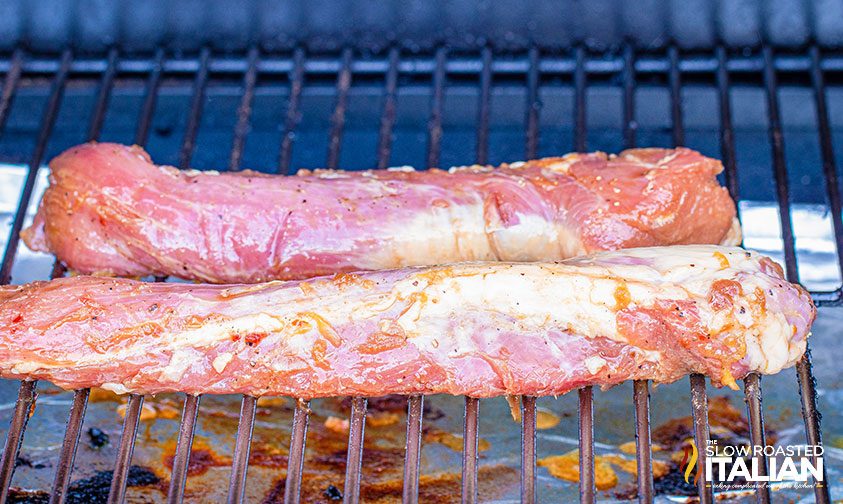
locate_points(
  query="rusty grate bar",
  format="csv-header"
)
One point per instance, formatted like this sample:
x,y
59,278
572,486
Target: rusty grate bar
x,y
182,457
354,460
699,409
434,124
244,111
291,120
389,110
469,451
412,456
528,449
295,460
23,409
807,383
120,476
240,462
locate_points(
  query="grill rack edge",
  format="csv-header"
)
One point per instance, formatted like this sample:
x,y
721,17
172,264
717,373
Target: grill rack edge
x,y
580,67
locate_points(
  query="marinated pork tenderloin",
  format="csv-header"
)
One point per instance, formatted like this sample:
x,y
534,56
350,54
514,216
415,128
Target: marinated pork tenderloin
x,y
110,210
476,329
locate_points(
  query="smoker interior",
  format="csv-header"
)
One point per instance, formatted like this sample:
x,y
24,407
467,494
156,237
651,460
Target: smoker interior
x,y
770,115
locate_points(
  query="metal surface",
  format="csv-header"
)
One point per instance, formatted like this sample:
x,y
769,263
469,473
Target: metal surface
x,y
354,460
469,450
117,493
181,459
242,443
412,452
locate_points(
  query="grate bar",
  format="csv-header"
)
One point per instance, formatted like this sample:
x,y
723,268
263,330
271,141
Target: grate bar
x,y
98,116
64,466
117,493
148,108
354,460
675,80
528,449
643,446
244,111
699,410
23,409
434,124
630,125
640,388
727,134
469,451
752,383
827,149
295,460
47,124
181,459
240,463
752,392
780,167
10,85
807,383
196,105
291,120
389,110
338,118
412,457
580,131
586,444
533,104
484,110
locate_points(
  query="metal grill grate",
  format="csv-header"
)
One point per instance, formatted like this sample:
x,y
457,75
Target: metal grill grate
x,y
527,70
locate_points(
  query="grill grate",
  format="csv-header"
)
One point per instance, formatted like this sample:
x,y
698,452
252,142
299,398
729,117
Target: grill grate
x,y
529,70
